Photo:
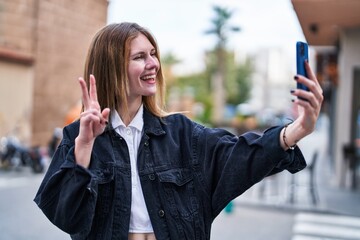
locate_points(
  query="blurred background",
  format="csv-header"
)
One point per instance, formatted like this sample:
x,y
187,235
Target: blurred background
x,y
229,63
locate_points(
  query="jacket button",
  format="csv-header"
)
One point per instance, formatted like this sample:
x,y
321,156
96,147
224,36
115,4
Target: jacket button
x,y
146,144
152,177
161,213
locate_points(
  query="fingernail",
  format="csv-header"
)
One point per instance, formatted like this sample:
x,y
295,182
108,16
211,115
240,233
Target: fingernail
x,y
292,100
296,77
292,91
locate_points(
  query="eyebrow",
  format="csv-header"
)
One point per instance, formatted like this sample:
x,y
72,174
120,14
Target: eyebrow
x,y
137,53
141,52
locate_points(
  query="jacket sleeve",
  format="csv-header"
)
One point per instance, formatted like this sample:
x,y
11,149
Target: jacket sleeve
x,y
68,192
230,164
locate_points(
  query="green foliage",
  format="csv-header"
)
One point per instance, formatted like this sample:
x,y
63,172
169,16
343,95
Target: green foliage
x,y
235,77
169,59
220,25
238,83
199,83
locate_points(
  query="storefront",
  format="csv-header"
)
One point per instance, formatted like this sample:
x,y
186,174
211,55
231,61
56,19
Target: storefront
x,y
332,28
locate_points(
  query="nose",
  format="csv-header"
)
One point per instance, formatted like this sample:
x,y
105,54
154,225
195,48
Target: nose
x,y
152,62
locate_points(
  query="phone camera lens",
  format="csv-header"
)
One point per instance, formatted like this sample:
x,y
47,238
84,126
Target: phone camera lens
x,y
302,50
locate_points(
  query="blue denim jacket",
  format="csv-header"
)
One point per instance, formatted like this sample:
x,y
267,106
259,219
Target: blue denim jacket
x,y
188,173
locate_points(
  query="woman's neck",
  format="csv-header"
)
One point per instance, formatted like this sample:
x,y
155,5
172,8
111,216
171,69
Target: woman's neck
x,y
128,116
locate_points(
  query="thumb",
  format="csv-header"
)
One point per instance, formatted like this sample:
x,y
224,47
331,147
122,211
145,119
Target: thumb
x,y
106,113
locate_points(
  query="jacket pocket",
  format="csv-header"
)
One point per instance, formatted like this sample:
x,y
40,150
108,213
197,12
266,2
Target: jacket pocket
x,y
178,187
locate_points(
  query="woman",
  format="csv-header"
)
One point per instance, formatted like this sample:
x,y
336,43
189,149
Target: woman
x,y
129,170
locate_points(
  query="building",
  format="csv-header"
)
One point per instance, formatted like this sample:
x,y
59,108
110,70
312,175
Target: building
x,y
333,28
43,46
271,81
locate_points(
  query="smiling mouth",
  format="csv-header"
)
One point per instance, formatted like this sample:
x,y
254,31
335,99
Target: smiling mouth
x,y
148,78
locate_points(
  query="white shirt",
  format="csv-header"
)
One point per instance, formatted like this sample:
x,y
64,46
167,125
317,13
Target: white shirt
x,y
139,216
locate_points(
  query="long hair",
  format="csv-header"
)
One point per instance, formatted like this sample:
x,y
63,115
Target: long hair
x,y
108,60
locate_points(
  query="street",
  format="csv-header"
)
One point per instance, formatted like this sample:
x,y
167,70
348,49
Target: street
x,y
20,218
253,223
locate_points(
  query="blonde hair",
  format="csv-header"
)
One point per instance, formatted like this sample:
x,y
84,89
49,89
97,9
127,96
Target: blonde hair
x,y
108,59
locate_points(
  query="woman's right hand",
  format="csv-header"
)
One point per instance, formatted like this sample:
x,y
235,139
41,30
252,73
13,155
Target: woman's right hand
x,y
92,122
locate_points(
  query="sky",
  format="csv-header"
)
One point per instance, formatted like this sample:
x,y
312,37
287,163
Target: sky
x,y
179,26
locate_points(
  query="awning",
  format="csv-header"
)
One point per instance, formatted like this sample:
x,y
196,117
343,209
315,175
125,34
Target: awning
x,y
322,20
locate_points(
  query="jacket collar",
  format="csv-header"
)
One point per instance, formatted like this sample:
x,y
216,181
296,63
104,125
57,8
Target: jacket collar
x,y
152,125
136,123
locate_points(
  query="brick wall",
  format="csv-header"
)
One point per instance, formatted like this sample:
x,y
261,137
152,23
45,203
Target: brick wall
x,y
16,67
64,32
52,38
17,26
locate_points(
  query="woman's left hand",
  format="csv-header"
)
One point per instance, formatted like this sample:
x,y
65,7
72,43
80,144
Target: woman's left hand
x,y
309,106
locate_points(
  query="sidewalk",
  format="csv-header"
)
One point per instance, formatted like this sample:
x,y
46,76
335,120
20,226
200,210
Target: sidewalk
x,y
331,199
275,191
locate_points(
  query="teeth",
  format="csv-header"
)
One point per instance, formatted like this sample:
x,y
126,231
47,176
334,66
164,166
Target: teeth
x,y
148,77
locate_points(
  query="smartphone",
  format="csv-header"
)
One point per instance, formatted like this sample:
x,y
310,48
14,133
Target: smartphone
x,y
302,54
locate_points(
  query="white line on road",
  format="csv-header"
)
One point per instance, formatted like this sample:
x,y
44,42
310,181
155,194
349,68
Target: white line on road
x,y
309,226
303,237
328,219
6,183
322,230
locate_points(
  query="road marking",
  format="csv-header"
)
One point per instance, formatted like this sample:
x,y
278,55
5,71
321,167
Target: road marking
x,y
16,182
13,182
328,219
311,226
303,237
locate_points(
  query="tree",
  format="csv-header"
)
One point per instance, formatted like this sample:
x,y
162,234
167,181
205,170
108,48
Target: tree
x,y
237,83
168,61
221,29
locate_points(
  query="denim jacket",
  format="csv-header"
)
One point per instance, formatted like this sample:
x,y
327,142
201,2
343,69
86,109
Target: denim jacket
x,y
188,174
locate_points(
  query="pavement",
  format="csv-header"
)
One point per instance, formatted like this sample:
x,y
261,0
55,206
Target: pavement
x,y
294,191
335,212
275,192
278,208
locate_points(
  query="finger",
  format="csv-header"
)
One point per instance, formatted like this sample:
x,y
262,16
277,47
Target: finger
x,y
93,116
92,91
87,118
106,113
311,75
84,92
314,87
91,111
308,111
313,97
96,116
317,90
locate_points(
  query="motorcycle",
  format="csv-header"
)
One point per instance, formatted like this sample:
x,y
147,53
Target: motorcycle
x,y
15,155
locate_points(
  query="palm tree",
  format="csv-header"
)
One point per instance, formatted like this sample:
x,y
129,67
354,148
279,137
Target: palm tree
x,y
221,29
168,61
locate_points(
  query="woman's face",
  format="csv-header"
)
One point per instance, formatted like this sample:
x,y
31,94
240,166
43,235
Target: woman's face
x,y
142,69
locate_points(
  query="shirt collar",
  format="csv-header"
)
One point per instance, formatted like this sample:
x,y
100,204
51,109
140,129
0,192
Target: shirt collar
x,y
137,122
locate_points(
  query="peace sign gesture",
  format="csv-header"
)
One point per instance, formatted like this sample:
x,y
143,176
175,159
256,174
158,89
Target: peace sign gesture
x,y
92,122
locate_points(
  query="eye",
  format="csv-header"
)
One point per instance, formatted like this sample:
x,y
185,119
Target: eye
x,y
138,57
153,53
